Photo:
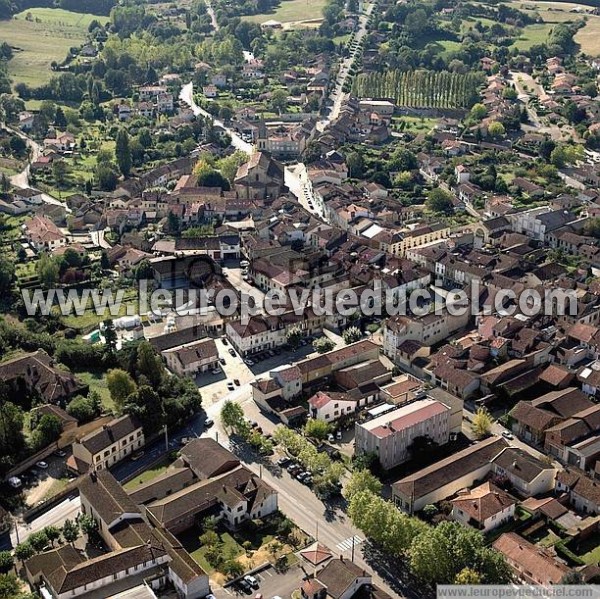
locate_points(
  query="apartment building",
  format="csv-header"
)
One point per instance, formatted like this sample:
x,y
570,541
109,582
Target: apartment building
x,y
391,435
107,446
192,358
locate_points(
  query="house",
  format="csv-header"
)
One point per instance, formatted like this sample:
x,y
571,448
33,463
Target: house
x,y
339,579
26,120
43,234
446,477
391,435
527,475
583,491
222,487
485,507
38,372
107,446
210,91
530,563
330,406
192,358
61,142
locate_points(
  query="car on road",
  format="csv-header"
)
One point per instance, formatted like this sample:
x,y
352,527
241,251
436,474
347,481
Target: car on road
x,y
338,435
293,468
507,435
230,386
15,482
244,263
59,453
283,461
185,440
232,351
224,340
271,353
330,437
249,362
137,456
222,361
42,465
236,382
301,475
216,371
307,480
208,422
252,581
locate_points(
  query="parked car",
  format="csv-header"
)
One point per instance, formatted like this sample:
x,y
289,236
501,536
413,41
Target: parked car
x,y
330,437
507,435
185,440
42,465
59,453
230,386
338,435
249,362
301,476
216,371
137,456
232,351
236,382
222,361
244,263
224,340
244,587
251,580
208,422
284,461
15,482
307,480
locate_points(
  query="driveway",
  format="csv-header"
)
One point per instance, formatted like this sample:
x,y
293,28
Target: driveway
x,y
272,584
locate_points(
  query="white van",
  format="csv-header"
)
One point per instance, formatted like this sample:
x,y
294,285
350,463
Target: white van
x,y
15,482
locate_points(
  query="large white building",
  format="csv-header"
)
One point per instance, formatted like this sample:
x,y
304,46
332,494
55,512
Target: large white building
x,y
390,436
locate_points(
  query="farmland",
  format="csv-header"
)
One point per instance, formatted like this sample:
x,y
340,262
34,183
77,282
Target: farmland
x,y
559,12
291,11
40,36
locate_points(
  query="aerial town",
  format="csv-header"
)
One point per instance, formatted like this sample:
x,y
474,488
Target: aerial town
x,y
299,299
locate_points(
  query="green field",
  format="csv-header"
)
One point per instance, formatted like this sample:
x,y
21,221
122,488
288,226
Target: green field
x,y
587,37
533,35
40,36
290,11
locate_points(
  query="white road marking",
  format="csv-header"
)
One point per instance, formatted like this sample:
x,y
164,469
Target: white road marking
x,y
347,544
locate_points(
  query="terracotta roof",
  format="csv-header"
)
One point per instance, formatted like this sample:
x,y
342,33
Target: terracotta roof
x,y
543,568
483,502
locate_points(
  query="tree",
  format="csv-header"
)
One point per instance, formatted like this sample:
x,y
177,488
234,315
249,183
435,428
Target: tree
x,y
482,423
496,130
70,531
149,364
592,227
294,336
439,554
147,406
24,551
52,534
317,429
279,100
352,335
467,576
6,561
322,345
82,409
439,201
123,152
120,385
478,112
356,165
232,416
10,586
7,275
110,336
39,540
572,577
362,480
48,430
47,270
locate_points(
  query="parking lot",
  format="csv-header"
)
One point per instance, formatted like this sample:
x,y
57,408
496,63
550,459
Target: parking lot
x,y
271,584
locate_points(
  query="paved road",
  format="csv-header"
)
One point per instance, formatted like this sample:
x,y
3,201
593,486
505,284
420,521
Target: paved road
x,y
337,95
187,96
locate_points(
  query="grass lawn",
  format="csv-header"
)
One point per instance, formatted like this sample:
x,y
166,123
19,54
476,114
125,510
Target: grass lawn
x,y
96,381
588,550
532,35
231,549
292,10
558,12
148,475
45,37
415,124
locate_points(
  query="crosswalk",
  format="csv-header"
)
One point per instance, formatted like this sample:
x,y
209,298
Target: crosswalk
x,y
347,543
